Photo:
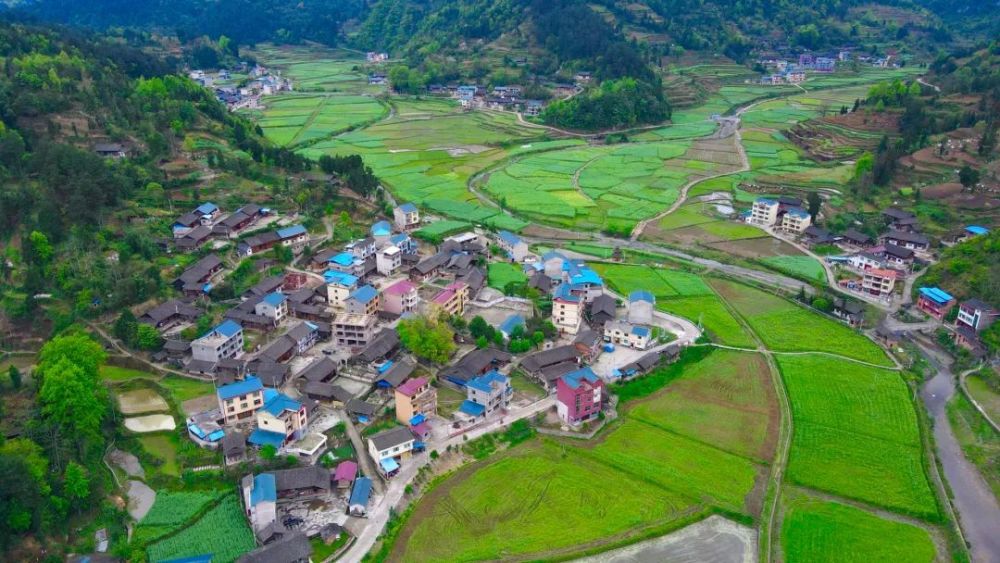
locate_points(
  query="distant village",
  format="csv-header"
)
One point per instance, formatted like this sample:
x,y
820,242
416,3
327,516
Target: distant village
x,y
243,87
783,70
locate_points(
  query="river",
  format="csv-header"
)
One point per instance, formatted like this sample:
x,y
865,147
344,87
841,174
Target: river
x,y
977,507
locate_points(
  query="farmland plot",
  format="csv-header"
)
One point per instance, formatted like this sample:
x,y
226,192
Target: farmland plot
x,y
786,327
171,510
296,118
815,531
223,532
856,434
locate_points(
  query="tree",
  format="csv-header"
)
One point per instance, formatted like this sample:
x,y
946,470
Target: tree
x,y
815,202
71,395
148,338
15,377
427,338
968,176
76,484
126,328
482,342
268,452
822,304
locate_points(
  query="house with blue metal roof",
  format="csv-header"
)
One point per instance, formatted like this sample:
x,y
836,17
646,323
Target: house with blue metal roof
x,y
510,323
207,210
404,243
360,495
238,401
406,216
260,498
279,418
935,301
293,234
516,249
362,301
381,231
621,333
641,305
976,230
273,306
764,212
486,394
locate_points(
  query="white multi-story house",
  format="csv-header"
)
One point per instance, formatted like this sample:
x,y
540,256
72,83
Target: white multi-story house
x,y
223,341
388,260
273,306
879,282
567,309
239,401
764,212
406,216
512,244
623,333
339,286
796,220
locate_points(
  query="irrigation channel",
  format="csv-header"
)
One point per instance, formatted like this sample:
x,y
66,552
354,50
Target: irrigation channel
x,y
978,511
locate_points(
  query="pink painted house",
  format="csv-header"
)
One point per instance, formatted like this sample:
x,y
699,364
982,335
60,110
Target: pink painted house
x,y
345,473
400,297
579,396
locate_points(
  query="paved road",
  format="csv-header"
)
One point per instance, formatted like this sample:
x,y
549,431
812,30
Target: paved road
x,y
978,511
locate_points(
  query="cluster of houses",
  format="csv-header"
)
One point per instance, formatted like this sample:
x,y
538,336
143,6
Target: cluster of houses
x,y
974,316
785,213
246,94
786,70
207,222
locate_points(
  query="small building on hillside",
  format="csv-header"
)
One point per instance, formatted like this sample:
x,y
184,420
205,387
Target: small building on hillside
x,y
879,282
416,396
239,401
400,297
452,299
223,341
764,212
621,333
513,245
339,286
388,260
389,447
274,306
362,301
935,302
567,309
579,396
977,315
260,498
796,220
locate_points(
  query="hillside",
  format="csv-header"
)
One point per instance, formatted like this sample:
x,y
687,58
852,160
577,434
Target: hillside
x,y
970,269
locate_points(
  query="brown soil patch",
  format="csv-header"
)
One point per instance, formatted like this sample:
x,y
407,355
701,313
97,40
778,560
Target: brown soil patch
x,y
756,248
546,232
941,191
863,121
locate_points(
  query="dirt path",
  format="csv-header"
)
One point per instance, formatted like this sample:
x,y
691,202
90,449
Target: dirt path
x,y
714,539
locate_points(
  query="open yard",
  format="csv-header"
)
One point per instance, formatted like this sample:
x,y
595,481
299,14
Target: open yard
x,y
815,531
856,434
503,273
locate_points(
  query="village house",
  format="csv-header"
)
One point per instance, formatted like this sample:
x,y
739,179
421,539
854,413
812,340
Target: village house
x,y
406,245
260,498
110,150
392,374
764,212
640,307
935,302
280,420
623,333
474,364
912,241
899,220
388,260
602,310
239,401
242,218
389,447
304,335
234,448
203,215
339,286
406,216
380,232
856,239
589,344
796,220
195,280
579,396
293,547
879,282
223,341
193,239
169,314
345,473
863,261
486,394
510,324
353,331
415,397
347,263
452,299
549,365
274,306
814,236
516,249
898,257
849,311
976,315
400,297
302,482
362,249
567,309
357,505
362,301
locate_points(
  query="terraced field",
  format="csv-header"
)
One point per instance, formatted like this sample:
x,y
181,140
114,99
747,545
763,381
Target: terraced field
x,y
292,119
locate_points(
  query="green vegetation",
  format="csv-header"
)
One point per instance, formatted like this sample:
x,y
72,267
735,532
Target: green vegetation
x,y
786,327
222,531
856,434
299,118
171,510
805,267
815,531
427,338
980,442
616,104
503,273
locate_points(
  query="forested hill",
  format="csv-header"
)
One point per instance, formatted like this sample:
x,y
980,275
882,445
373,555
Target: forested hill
x,y
244,21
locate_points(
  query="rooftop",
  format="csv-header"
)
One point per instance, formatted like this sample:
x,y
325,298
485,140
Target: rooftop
x,y
346,471
640,295
364,294
249,385
509,238
411,386
362,490
343,259
260,437
227,329
936,294
382,228
391,438
291,232
408,208
274,299
488,382
263,489
401,287
281,403
472,408
340,278
510,323
576,378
